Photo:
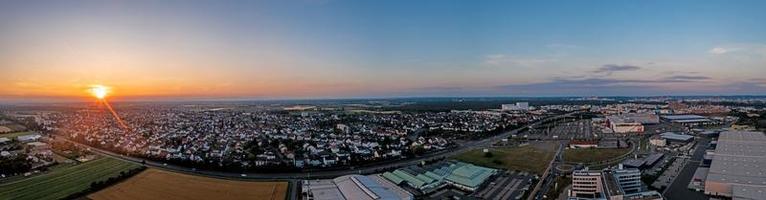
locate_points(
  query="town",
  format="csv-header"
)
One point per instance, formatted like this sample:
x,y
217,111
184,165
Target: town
x,y
577,149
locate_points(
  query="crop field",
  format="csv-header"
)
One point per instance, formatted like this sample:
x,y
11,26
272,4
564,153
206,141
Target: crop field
x,y
159,184
63,182
17,134
530,158
592,155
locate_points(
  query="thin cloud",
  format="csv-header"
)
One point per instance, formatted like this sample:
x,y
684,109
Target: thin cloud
x,y
611,68
685,78
600,86
502,59
721,50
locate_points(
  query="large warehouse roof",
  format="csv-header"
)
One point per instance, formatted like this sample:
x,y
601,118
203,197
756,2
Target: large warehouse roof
x,y
357,187
675,136
683,117
740,162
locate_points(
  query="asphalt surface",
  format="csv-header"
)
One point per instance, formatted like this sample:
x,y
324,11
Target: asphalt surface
x,y
679,188
549,177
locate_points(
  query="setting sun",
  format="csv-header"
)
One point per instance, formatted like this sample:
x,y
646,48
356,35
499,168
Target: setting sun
x,y
99,91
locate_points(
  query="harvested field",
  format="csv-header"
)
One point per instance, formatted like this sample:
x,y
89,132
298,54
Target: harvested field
x,y
159,184
16,134
530,158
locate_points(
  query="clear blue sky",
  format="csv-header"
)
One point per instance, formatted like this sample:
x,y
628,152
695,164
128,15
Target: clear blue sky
x,y
316,48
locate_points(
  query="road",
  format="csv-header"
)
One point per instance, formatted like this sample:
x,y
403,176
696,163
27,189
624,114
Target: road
x,y
548,177
678,189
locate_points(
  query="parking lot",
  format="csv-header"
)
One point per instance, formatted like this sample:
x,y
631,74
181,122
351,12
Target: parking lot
x,y
567,129
667,177
510,185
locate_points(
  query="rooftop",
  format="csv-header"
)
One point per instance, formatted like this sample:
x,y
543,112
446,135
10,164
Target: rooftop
x,y
675,136
740,159
357,187
683,117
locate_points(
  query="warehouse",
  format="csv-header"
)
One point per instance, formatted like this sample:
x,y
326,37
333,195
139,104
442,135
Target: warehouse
x,y
688,120
738,167
671,137
354,187
459,174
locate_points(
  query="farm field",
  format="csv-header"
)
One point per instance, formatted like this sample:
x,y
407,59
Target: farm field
x,y
530,158
17,134
159,184
62,182
591,155
4,129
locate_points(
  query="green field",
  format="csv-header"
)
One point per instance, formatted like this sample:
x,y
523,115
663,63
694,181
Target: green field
x,y
17,134
530,158
63,182
592,155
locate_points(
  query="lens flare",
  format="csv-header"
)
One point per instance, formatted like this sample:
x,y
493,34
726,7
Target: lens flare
x,y
99,91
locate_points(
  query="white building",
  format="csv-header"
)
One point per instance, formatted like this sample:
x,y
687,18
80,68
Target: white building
x,y
517,106
587,184
628,124
29,138
658,141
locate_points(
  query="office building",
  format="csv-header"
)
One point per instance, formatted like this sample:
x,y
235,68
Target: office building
x,y
587,185
517,106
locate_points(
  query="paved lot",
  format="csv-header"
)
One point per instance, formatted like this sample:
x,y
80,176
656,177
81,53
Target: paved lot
x,y
679,188
566,129
505,186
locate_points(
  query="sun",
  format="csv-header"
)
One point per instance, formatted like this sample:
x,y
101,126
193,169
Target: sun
x,y
99,91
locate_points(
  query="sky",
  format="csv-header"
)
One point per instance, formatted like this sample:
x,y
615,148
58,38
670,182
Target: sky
x,y
363,48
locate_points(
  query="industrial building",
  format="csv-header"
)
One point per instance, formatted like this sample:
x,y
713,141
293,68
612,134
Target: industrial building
x,y
643,118
671,137
738,168
458,174
642,163
687,120
353,187
631,122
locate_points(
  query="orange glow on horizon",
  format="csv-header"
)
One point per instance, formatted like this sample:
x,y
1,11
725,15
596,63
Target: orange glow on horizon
x,y
99,91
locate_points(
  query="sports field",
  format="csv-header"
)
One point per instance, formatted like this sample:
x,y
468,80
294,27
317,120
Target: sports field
x,y
159,184
63,182
530,158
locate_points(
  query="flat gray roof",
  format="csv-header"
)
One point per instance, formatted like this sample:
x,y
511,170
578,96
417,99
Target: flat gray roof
x,y
683,117
675,136
748,192
740,159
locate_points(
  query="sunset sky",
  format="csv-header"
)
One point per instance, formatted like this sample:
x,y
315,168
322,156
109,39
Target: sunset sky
x,y
338,49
